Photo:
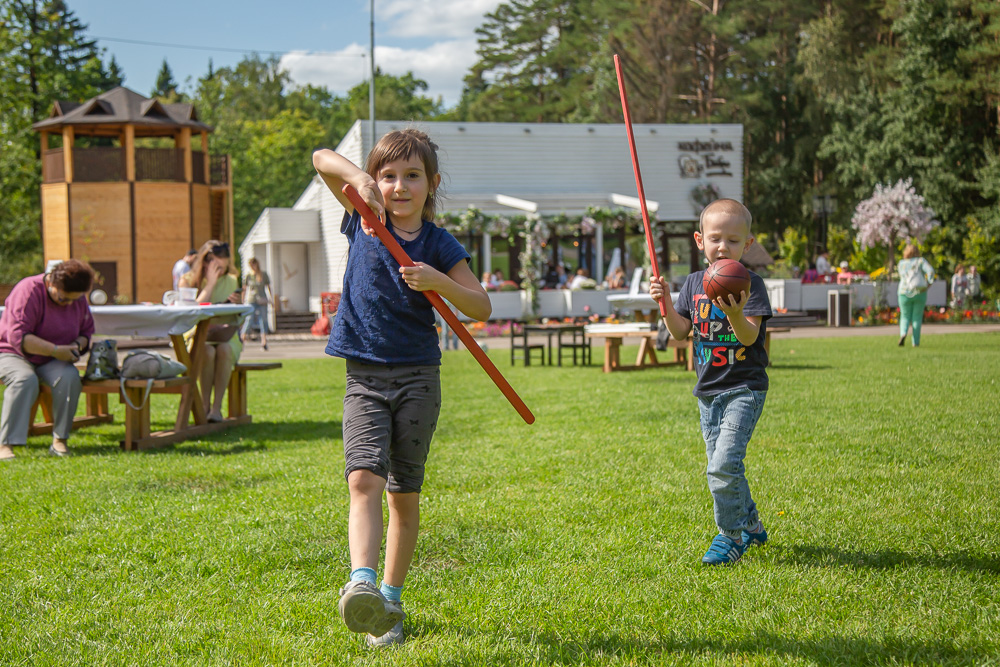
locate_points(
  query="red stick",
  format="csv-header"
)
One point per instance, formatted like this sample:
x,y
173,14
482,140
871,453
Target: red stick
x,y
638,179
470,343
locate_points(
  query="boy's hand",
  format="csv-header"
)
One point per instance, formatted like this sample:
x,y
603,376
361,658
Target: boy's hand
x,y
421,277
732,307
658,290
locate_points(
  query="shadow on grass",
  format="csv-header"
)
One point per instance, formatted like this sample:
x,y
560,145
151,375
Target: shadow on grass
x,y
253,437
884,559
829,650
800,367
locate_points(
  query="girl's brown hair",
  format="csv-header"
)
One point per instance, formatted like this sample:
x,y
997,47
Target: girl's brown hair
x,y
72,275
402,145
911,250
212,247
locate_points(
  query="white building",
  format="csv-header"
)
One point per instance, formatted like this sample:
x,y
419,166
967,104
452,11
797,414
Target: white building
x,y
560,168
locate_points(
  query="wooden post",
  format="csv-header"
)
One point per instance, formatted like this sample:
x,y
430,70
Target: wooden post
x,y
129,145
44,138
183,140
206,158
68,134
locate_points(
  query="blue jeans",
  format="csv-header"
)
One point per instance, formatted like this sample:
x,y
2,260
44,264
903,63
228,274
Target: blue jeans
x,y
257,319
911,312
727,422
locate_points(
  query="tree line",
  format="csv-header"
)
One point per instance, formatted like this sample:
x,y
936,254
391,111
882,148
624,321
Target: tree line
x,y
835,96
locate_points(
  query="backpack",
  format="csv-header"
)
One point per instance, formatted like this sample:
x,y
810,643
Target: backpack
x,y
149,366
103,361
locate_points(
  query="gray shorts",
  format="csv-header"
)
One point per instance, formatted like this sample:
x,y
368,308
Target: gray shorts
x,y
390,413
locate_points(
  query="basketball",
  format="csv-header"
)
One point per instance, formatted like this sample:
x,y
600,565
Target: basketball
x,y
725,277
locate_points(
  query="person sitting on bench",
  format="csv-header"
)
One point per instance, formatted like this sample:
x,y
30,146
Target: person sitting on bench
x,y
44,329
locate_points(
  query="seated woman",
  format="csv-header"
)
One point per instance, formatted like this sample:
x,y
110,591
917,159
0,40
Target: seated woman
x,y
844,275
617,280
811,275
215,279
44,329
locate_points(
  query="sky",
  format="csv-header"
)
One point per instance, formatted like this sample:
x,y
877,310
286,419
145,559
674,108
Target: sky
x,y
324,43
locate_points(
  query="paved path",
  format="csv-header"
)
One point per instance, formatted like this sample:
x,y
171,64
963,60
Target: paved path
x,y
305,346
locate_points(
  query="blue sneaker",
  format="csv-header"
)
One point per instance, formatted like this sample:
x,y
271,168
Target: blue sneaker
x,y
754,539
723,551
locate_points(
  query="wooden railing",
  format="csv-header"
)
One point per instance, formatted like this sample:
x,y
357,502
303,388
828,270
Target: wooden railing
x,y
219,170
198,167
159,164
99,164
107,164
53,166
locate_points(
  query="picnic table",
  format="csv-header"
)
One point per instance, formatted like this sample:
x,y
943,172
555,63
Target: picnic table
x,y
157,321
615,335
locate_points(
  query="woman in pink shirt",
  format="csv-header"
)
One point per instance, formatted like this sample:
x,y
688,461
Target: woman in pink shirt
x,y
45,327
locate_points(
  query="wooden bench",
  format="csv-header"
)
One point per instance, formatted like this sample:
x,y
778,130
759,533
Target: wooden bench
x,y
138,433
238,387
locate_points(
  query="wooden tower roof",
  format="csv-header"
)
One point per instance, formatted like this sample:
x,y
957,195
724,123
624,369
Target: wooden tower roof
x,y
111,110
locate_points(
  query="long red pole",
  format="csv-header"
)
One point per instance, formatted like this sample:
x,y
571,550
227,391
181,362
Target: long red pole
x,y
638,178
470,343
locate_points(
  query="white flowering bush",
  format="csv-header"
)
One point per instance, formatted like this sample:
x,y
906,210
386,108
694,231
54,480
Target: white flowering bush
x,y
892,214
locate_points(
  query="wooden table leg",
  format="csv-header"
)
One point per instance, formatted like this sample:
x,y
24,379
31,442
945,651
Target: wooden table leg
x,y
136,421
191,396
690,353
612,352
646,349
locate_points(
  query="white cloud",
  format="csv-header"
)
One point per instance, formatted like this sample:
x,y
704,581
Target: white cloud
x,y
443,65
436,19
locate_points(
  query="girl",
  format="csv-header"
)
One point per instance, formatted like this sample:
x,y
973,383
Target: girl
x,y
257,292
385,330
213,276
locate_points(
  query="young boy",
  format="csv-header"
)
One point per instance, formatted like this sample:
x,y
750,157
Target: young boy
x,y
732,378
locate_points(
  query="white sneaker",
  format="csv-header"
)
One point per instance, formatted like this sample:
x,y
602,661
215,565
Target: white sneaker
x,y
395,634
365,609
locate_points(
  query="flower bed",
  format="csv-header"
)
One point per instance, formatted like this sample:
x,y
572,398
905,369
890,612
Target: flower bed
x,y
981,312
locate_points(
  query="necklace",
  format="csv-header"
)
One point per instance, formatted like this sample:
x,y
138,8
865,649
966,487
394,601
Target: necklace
x,y
409,232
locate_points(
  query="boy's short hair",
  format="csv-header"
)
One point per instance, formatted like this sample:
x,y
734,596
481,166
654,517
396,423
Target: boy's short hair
x,y
727,206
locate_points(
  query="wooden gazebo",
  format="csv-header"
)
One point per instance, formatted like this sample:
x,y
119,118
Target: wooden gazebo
x,y
126,190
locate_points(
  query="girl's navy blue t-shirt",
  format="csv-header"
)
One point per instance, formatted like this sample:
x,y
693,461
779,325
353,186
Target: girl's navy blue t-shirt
x,y
380,320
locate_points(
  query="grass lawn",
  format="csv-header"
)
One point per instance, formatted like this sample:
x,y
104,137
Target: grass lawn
x,y
573,541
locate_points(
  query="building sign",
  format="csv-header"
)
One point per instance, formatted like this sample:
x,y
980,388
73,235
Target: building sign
x,y
708,158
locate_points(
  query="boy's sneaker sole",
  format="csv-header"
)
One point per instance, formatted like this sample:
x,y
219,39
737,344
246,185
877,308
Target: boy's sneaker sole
x,y
723,551
365,609
754,539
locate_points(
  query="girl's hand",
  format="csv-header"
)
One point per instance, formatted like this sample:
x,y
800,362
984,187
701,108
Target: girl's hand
x,y
373,197
421,277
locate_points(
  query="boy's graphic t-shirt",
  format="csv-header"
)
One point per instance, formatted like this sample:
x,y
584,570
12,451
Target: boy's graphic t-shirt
x,y
722,361
380,320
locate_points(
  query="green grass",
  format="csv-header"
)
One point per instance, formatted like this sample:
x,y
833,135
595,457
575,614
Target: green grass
x,y
573,541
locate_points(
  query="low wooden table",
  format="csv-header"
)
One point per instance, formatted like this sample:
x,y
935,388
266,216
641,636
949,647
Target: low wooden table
x,y
646,358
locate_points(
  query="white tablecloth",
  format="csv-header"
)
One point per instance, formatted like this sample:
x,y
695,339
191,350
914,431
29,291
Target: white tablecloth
x,y
637,301
158,321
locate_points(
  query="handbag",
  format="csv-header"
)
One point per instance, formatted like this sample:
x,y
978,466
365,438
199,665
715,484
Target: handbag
x,y
103,361
149,366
